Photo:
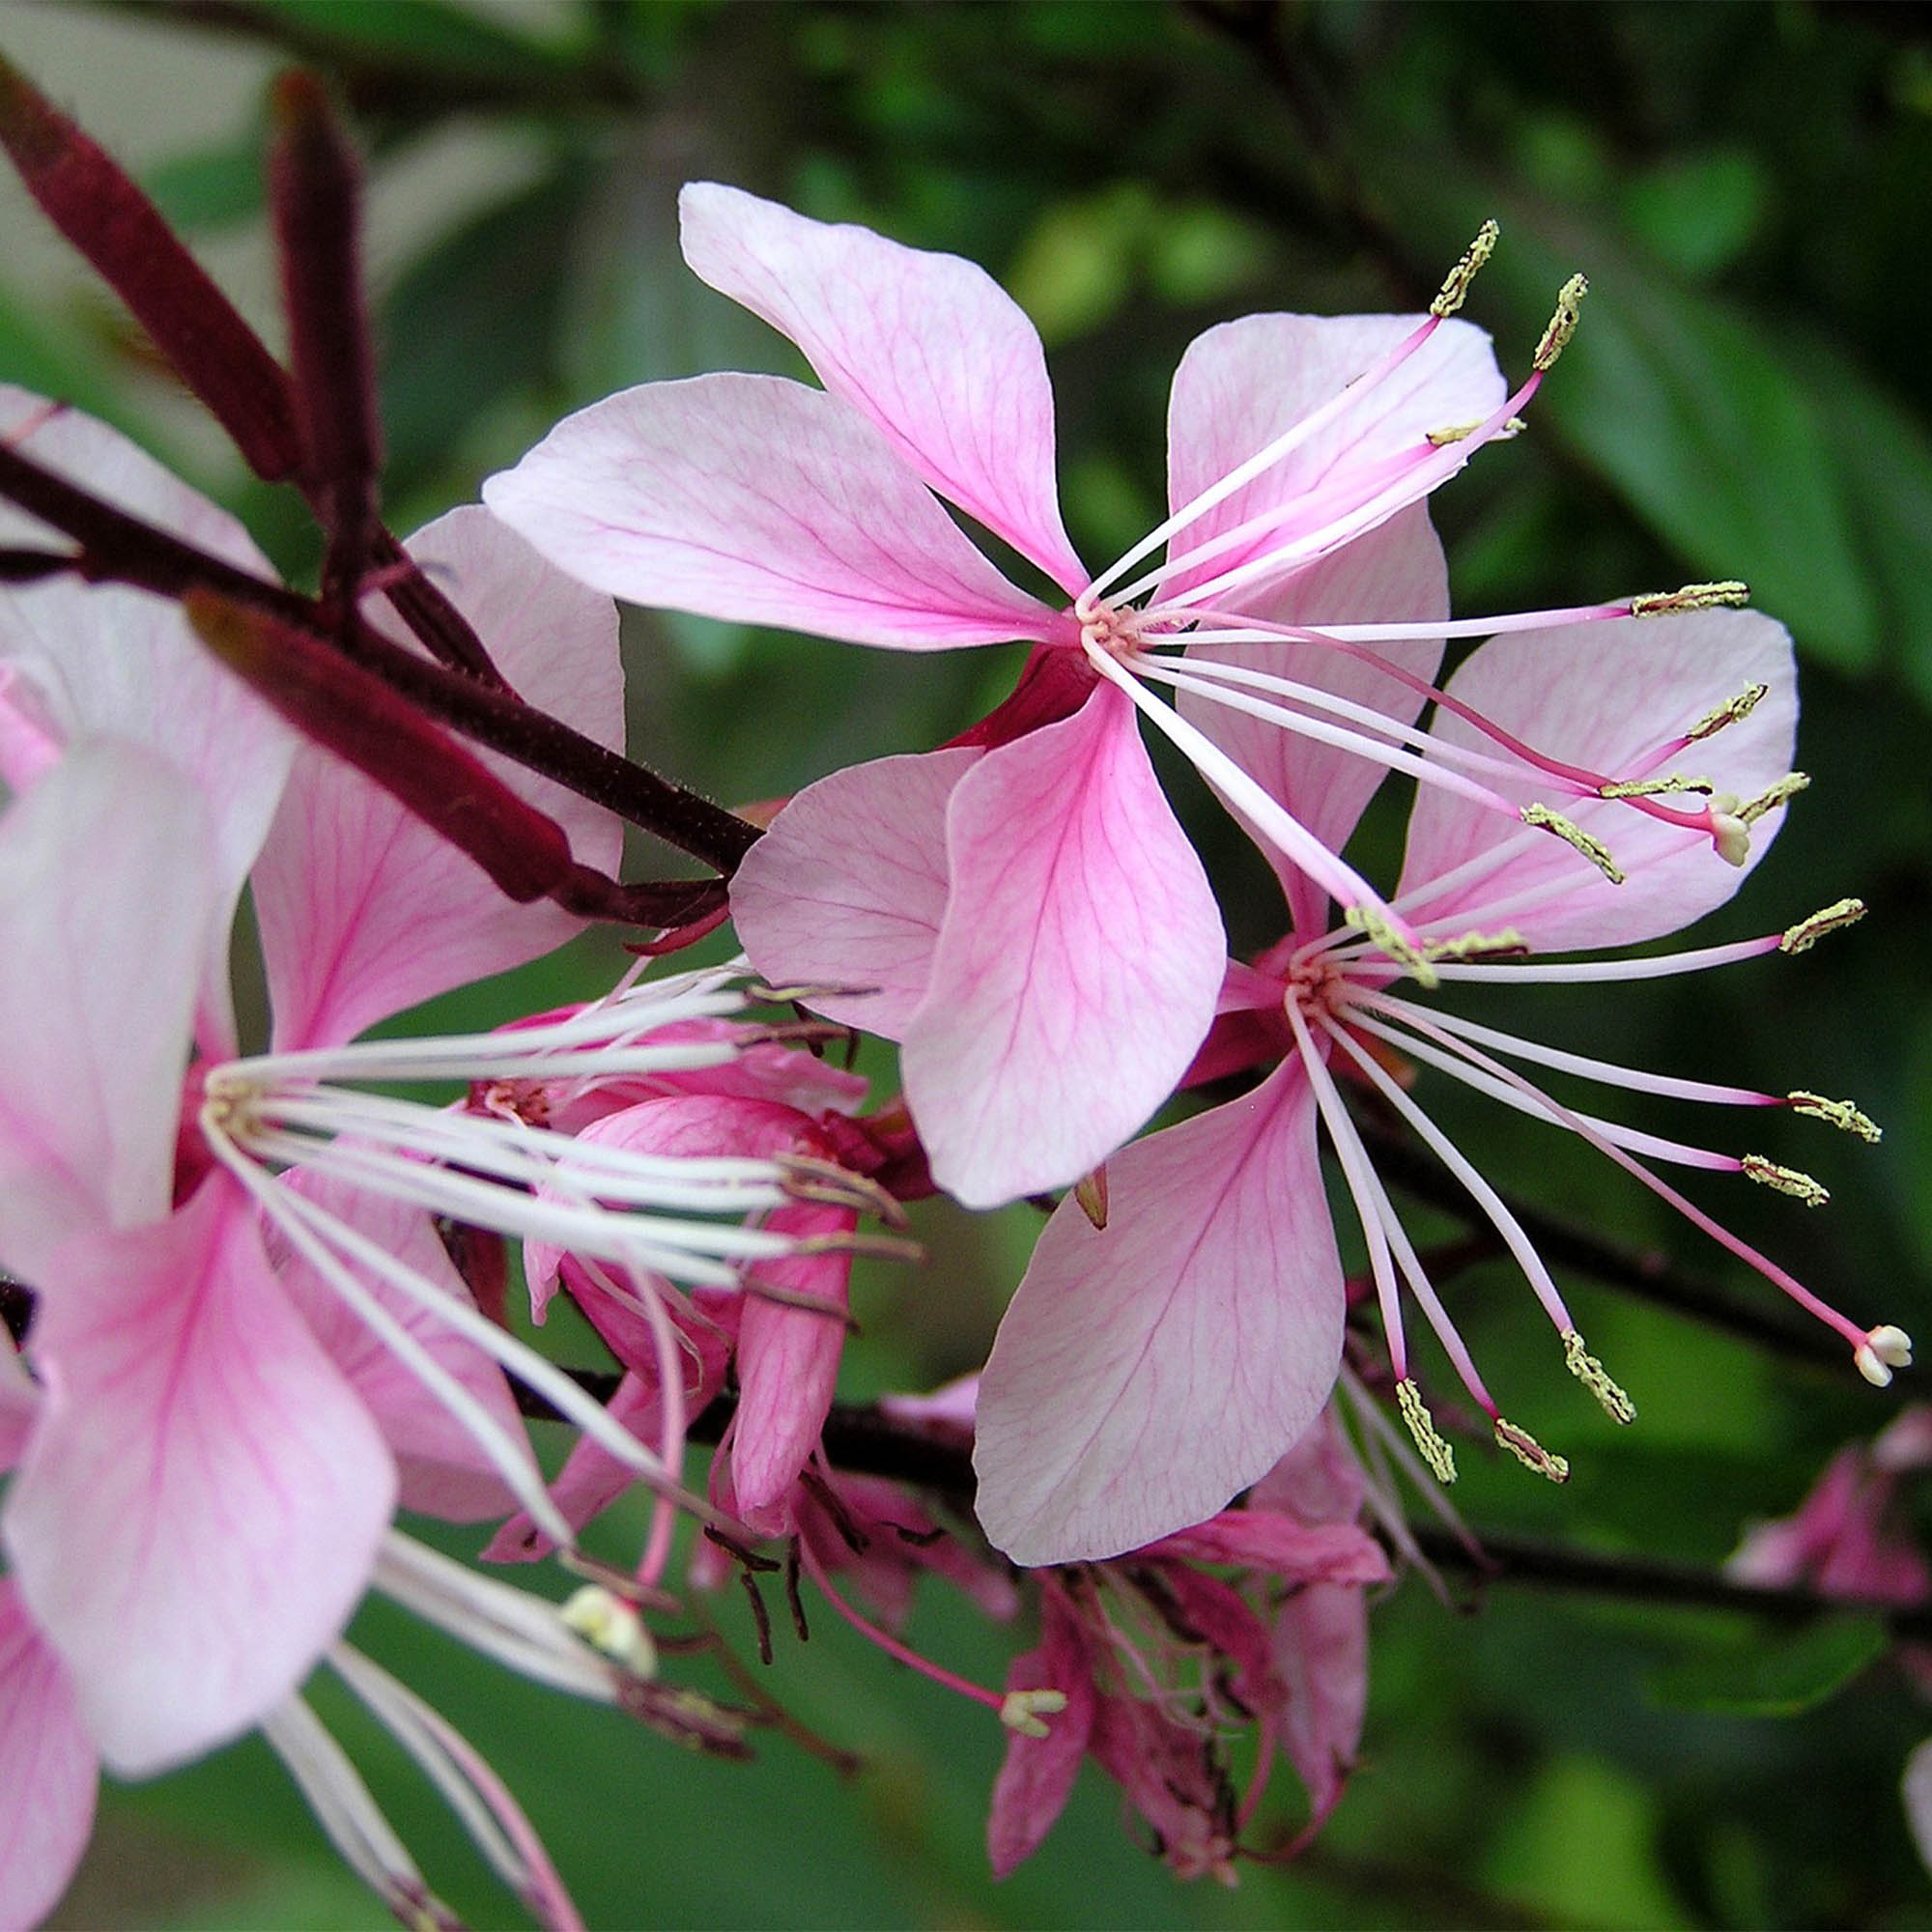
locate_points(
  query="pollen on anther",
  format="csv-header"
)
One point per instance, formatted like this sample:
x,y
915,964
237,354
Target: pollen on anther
x,y
1562,325
1733,711
1841,1113
1773,796
1435,1451
1374,927
1505,944
1808,933
1729,593
1532,1453
1786,1180
1572,835
607,1622
1456,284
1654,787
1590,1372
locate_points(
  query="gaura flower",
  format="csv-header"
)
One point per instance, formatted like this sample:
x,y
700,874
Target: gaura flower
x,y
1148,1370
1025,914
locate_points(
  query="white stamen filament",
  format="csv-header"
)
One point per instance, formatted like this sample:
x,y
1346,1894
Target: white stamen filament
x,y
1588,971
1425,630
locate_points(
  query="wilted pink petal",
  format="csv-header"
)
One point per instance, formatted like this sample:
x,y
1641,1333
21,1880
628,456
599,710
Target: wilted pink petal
x,y
1241,384
848,887
442,1470
1174,1780
927,347
48,1770
1321,1654
96,990
364,909
1036,1778
102,658
754,499
1606,696
1077,966
1298,1552
200,1504
1149,1370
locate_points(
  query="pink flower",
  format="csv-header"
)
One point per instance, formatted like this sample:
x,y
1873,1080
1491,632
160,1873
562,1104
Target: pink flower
x,y
1149,1370
1020,909
1160,1661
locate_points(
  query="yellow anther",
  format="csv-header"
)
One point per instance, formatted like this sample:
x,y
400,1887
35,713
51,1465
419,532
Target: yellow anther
x,y
1786,1180
1839,1113
1883,1349
1456,284
606,1622
1808,933
1654,787
1441,438
1590,1372
1374,925
1593,850
1733,711
1532,1453
1021,1711
1773,796
1563,324
1506,944
1435,1452
1728,593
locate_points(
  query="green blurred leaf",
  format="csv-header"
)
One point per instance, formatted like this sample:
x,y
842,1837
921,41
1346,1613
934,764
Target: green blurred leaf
x,y
1077,267
34,358
1772,1676
1699,211
432,32
212,188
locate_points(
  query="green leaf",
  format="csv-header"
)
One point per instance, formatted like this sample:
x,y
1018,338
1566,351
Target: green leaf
x,y
1699,212
1772,1676
430,32
213,188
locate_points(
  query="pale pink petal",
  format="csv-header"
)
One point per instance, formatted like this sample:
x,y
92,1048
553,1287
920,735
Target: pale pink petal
x,y
1077,966
763,502
1036,1778
1259,1539
1242,383
29,742
105,659
1321,1654
787,1361
199,1507
364,909
48,1770
19,1402
1395,574
927,347
1917,1791
1606,696
848,887
441,1469
1320,1480
1148,1371
108,891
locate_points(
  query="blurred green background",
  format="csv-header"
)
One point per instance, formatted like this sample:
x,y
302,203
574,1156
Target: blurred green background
x,y
1748,186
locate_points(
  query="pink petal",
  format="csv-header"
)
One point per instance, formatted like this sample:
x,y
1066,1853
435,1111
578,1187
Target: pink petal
x,y
848,887
1036,1778
103,659
1244,383
442,1470
787,1362
200,1505
1147,1372
19,1404
364,909
927,347
760,501
1604,696
1260,1539
1077,966
1319,1479
1321,1654
108,896
48,1770
1395,574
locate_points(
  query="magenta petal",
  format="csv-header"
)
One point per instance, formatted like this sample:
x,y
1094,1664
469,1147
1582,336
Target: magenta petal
x,y
108,896
927,347
1394,574
442,1470
200,1505
848,887
1036,1778
364,909
1148,1371
754,499
787,1362
1604,696
1077,967
48,1770
103,659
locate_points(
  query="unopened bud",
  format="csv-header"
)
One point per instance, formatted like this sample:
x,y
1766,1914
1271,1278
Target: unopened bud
x,y
1883,1349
